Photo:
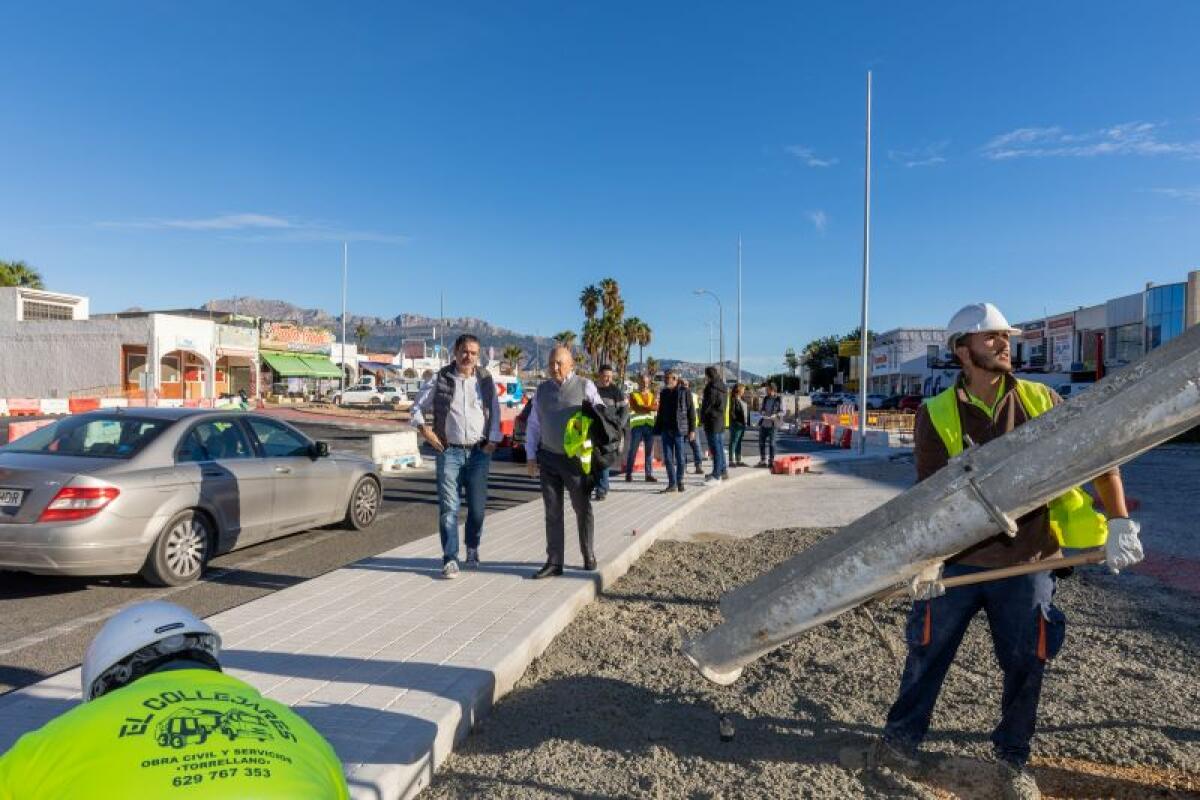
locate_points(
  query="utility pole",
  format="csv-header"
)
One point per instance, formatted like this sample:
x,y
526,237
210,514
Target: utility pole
x,y
739,313
345,272
866,283
442,327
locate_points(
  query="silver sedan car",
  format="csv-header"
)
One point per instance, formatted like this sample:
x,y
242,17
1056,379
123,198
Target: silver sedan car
x,y
160,491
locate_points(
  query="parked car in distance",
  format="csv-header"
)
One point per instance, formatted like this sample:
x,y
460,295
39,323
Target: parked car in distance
x,y
367,395
875,401
910,402
161,490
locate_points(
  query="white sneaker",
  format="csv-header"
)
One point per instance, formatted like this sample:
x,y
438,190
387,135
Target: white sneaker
x,y
472,558
450,570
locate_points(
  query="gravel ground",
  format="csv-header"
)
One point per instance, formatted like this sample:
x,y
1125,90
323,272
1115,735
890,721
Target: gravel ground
x,y
611,709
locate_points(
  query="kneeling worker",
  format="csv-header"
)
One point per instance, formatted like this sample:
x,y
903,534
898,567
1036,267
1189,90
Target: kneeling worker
x,y
1027,630
160,720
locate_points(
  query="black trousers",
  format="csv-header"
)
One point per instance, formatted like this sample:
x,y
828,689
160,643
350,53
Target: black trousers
x,y
559,473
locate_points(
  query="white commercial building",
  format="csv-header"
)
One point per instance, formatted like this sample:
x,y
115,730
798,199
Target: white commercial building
x,y
900,359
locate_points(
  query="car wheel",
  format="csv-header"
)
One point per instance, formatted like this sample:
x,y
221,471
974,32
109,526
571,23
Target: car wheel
x,y
181,550
364,504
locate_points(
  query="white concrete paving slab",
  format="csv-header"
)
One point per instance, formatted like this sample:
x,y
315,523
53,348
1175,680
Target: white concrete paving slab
x,y
393,664
841,487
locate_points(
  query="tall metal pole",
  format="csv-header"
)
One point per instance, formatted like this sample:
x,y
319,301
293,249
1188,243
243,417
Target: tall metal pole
x,y
345,271
721,322
442,327
739,325
863,361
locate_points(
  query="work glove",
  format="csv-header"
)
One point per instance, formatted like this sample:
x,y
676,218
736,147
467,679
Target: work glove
x,y
1123,548
927,584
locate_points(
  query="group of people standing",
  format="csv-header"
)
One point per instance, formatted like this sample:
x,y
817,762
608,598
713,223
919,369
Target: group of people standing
x,y
458,415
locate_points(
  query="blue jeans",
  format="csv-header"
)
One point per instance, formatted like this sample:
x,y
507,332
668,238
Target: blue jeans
x,y
458,468
602,480
672,444
1027,631
736,432
638,435
766,441
716,448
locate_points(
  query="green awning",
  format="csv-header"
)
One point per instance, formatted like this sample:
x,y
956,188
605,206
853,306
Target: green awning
x,y
321,366
287,365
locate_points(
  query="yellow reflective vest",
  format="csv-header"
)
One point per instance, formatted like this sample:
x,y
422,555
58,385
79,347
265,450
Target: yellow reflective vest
x,y
1073,519
643,400
577,442
189,733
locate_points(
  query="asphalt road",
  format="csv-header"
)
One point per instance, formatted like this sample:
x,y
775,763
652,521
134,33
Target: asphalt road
x,y
46,621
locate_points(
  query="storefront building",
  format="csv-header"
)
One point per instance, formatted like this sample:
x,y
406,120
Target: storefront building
x,y
296,360
900,360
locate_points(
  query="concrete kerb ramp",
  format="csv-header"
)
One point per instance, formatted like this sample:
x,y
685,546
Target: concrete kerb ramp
x,y
395,665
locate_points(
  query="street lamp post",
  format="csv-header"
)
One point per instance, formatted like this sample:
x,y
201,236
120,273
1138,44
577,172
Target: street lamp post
x,y
720,325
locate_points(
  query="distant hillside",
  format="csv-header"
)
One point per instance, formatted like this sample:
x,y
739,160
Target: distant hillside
x,y
386,333
693,370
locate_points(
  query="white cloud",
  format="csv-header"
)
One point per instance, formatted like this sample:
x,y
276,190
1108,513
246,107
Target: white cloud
x,y
819,219
1191,195
923,156
809,156
260,228
1127,138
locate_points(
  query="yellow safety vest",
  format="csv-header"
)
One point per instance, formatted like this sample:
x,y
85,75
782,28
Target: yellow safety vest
x,y
696,410
1073,519
646,399
188,733
576,441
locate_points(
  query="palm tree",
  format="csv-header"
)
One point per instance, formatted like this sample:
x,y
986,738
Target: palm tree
x,y
18,273
636,332
593,339
512,354
610,295
589,301
651,366
566,339
361,334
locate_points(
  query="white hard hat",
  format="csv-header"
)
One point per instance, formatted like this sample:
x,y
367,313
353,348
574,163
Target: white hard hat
x,y
137,627
977,318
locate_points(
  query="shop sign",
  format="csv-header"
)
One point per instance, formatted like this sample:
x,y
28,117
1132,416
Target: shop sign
x,y
1032,335
849,348
237,338
294,338
1061,322
881,359
185,343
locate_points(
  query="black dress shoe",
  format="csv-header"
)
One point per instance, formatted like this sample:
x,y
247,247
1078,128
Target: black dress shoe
x,y
670,488
547,570
590,564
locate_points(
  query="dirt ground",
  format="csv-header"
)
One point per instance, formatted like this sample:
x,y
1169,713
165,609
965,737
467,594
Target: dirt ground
x,y
612,710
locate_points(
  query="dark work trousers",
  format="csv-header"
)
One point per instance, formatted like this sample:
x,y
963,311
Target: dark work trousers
x,y
1027,631
558,473
766,442
695,443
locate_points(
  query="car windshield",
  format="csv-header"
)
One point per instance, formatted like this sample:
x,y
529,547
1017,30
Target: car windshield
x,y
115,436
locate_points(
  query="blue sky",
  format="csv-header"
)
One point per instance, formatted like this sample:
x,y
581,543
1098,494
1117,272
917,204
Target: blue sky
x,y
1040,155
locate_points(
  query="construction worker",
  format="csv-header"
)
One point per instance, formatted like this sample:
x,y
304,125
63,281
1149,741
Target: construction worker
x,y
1027,630
160,719
642,408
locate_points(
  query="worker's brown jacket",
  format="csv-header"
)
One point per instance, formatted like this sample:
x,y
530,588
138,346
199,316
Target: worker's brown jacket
x,y
1034,539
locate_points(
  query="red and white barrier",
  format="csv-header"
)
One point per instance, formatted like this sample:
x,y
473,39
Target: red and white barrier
x,y
18,429
54,406
114,402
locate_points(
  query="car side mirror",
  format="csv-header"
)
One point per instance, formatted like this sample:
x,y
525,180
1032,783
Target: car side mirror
x,y
320,450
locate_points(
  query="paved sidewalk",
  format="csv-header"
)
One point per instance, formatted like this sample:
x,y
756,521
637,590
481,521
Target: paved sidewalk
x,y
393,664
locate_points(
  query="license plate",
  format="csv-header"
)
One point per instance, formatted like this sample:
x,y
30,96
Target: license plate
x,y
11,498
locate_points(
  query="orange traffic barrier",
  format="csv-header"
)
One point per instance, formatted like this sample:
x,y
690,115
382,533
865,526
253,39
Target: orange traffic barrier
x,y
847,438
24,407
79,405
791,465
18,429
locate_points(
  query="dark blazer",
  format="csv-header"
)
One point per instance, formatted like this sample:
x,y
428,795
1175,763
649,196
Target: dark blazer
x,y
676,412
608,425
712,407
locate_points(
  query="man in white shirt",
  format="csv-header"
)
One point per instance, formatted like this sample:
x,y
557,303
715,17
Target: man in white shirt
x,y
464,432
556,402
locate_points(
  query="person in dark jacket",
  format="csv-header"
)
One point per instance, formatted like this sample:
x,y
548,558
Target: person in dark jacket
x,y
713,408
614,398
739,413
675,422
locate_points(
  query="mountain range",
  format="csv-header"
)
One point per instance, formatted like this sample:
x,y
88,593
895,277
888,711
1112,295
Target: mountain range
x,y
385,334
